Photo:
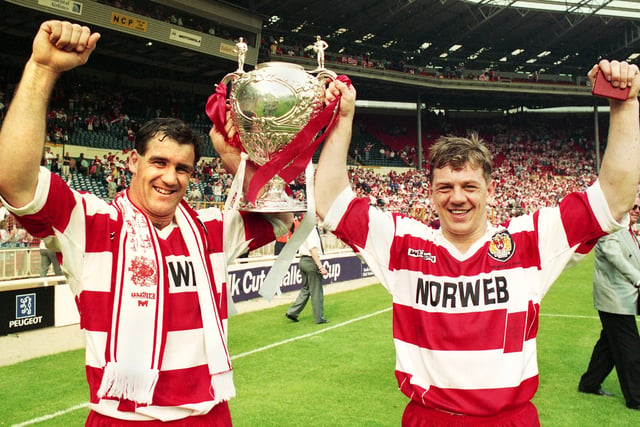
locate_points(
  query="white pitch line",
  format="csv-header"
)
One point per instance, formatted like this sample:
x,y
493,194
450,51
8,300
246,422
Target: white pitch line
x,y
50,416
569,316
321,331
237,356
267,347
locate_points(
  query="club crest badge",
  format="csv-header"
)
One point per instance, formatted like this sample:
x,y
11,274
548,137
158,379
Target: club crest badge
x,y
501,246
142,272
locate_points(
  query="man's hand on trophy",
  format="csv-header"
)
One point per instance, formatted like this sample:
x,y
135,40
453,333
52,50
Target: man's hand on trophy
x,y
229,154
348,97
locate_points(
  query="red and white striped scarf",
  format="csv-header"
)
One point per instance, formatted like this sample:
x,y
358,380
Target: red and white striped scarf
x,y
138,332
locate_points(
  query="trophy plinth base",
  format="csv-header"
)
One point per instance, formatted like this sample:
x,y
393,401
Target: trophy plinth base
x,y
274,199
273,206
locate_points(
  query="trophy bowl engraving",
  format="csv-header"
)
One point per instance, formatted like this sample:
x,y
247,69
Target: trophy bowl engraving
x,y
269,106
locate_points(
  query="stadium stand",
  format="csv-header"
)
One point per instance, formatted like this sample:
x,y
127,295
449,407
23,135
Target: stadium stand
x,y
97,113
527,148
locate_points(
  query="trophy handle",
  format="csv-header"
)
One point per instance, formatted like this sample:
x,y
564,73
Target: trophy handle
x,y
326,74
231,77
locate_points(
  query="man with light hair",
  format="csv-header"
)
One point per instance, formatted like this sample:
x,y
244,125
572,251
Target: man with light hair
x,y
466,296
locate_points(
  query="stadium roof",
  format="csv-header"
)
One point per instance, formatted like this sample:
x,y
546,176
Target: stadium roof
x,y
545,36
561,38
619,8
561,41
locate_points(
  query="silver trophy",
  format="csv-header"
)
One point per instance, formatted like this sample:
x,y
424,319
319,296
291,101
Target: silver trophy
x,y
269,106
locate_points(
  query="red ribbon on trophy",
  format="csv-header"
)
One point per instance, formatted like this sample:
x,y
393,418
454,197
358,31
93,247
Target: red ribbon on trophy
x,y
216,109
289,162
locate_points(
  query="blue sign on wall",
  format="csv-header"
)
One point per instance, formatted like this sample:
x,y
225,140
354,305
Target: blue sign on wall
x,y
26,309
244,284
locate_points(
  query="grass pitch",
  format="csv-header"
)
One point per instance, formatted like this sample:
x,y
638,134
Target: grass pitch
x,y
341,373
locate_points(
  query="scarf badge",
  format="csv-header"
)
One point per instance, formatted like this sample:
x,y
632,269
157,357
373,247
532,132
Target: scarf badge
x,y
142,272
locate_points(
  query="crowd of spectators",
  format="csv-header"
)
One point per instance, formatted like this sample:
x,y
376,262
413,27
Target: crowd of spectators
x,y
274,45
271,47
538,160
537,163
12,235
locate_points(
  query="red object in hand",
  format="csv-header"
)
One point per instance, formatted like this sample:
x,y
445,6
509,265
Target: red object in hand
x,y
602,87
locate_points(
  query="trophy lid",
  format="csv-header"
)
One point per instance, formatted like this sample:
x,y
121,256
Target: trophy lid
x,y
279,64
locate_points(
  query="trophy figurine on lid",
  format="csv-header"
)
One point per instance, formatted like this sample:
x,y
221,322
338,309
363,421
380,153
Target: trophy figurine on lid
x,y
279,112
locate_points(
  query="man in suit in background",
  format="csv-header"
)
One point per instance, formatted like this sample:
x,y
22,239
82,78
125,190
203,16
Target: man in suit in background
x,y
616,280
312,271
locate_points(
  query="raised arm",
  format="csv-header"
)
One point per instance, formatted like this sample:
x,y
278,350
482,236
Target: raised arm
x,y
57,47
332,176
620,170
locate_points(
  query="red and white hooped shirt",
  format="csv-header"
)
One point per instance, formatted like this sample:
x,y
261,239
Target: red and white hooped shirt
x,y
465,325
84,229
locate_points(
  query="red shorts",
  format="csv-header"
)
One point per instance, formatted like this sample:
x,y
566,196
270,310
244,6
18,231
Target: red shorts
x,y
218,416
416,415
